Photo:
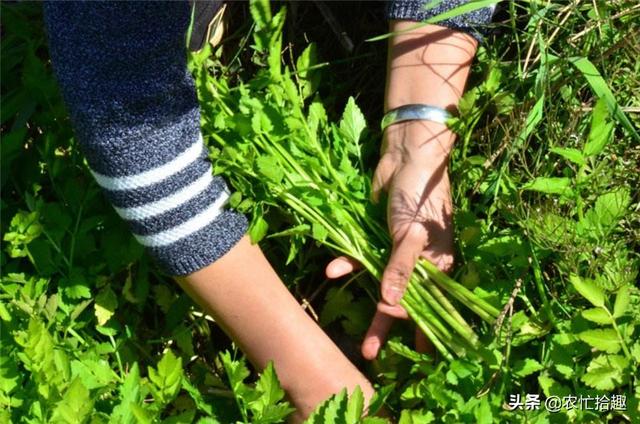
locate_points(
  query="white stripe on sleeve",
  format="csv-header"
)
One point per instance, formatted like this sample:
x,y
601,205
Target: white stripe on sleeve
x,y
153,175
169,202
188,227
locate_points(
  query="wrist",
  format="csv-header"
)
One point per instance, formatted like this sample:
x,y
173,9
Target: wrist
x,y
419,140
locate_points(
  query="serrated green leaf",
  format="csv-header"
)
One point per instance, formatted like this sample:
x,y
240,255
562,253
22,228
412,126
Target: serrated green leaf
x,y
185,417
482,412
526,367
468,101
561,359
236,371
317,116
75,406
622,302
551,387
605,340
571,154
352,123
335,408
166,378
597,315
413,416
337,303
23,229
195,394
235,199
355,407
261,13
551,185
93,373
129,394
266,407
4,313
309,78
588,290
10,377
606,372
208,420
269,168
276,413
105,305
48,365
406,352
611,207
78,291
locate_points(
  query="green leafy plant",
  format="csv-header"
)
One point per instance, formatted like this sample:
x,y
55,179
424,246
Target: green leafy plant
x,y
279,153
546,223
263,403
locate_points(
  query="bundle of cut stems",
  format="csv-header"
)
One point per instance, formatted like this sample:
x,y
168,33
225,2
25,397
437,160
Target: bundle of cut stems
x,y
281,152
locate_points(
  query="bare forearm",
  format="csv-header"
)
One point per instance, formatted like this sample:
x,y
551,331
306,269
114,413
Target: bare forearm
x,y
427,65
247,298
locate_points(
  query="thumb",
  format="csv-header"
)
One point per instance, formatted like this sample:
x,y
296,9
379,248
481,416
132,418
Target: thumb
x,y
341,266
395,277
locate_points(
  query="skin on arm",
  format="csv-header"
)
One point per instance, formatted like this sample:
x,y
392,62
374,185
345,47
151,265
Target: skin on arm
x,y
242,292
429,65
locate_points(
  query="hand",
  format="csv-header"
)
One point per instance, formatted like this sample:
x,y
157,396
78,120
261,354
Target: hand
x,y
413,171
429,65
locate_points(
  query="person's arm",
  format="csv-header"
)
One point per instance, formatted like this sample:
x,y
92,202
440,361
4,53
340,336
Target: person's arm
x,y
248,300
122,70
428,65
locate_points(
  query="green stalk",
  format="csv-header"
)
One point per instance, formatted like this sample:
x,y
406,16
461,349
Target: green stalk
x,y
427,331
462,329
459,291
487,312
448,306
468,302
425,312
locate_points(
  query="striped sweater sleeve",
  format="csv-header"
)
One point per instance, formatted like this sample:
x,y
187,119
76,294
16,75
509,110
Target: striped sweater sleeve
x,y
122,70
473,22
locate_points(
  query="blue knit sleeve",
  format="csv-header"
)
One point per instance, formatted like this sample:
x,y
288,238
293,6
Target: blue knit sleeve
x,y
473,22
122,70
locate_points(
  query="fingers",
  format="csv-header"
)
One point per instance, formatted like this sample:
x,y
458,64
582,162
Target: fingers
x,y
377,333
341,266
396,311
404,254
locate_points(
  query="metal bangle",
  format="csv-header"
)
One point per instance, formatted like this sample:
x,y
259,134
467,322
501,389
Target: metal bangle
x,y
414,112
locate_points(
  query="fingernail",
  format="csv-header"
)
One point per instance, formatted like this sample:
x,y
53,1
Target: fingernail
x,y
370,349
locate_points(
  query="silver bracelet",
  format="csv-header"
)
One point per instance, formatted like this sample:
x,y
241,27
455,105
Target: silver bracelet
x,y
414,112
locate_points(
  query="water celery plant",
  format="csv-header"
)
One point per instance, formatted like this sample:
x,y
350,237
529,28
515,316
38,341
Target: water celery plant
x,y
280,149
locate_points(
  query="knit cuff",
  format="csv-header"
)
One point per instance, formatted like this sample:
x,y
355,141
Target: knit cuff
x,y
203,247
473,23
